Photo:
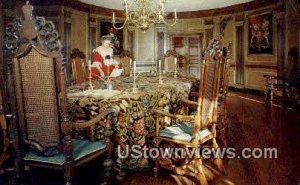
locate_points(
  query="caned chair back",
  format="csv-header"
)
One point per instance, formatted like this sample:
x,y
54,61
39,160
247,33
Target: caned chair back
x,y
37,97
169,60
209,86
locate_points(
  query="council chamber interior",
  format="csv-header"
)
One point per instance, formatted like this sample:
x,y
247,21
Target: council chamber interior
x,y
128,92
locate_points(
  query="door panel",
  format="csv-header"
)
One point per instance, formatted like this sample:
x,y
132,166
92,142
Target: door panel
x,y
190,48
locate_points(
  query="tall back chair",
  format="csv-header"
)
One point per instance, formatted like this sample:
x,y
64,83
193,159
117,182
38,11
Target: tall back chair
x,y
126,57
194,131
225,67
169,60
4,141
78,66
41,117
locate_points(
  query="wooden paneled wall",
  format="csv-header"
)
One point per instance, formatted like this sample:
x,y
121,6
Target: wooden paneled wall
x,y
210,23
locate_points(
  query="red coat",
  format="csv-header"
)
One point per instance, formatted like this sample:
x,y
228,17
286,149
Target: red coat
x,y
106,70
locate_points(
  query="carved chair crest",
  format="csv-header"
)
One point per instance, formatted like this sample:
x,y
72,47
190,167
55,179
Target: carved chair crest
x,y
33,31
126,53
171,53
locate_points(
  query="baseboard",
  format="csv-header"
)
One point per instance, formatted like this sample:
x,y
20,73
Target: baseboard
x,y
250,91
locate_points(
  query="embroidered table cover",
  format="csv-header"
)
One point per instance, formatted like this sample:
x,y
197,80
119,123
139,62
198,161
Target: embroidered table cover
x,y
135,121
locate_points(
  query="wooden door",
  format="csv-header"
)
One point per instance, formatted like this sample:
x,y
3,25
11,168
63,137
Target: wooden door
x,y
194,56
190,48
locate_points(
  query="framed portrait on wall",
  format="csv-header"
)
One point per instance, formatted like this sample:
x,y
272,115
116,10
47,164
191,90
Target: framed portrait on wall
x,y
261,33
116,36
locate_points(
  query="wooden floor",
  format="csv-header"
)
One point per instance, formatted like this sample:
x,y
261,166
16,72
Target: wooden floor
x,y
250,124
254,124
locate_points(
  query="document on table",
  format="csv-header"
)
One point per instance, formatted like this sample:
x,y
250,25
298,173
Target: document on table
x,y
116,72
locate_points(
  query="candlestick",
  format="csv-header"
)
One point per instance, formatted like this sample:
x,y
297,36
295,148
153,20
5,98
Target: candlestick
x,y
130,63
159,65
159,72
152,67
152,62
90,76
134,88
134,66
90,65
114,17
130,67
175,70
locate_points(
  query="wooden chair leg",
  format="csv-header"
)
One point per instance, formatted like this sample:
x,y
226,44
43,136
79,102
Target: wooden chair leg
x,y
69,164
201,175
156,167
218,160
107,164
119,168
19,166
69,173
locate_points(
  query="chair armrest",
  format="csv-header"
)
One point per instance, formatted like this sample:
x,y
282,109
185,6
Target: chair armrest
x,y
109,117
174,116
92,122
189,103
196,94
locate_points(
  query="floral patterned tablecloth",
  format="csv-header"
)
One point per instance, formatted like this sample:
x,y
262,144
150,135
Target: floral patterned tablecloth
x,y
135,122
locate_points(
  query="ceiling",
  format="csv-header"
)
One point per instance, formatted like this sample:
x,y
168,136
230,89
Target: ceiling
x,y
179,5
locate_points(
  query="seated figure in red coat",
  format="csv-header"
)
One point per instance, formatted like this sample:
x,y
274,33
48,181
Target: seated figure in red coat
x,y
103,62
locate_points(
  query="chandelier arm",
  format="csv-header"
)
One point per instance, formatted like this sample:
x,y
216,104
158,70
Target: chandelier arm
x,y
118,28
175,18
175,21
163,21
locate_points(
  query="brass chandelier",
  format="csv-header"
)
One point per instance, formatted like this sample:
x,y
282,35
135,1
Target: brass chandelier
x,y
143,13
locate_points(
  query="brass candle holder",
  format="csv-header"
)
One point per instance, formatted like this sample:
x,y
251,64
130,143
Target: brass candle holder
x,y
160,81
91,86
134,88
175,70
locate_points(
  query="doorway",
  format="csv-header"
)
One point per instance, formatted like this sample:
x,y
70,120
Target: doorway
x,y
189,47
